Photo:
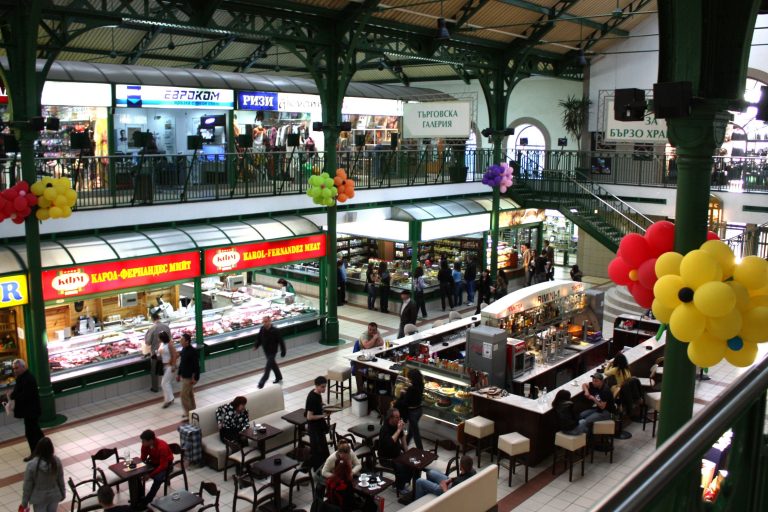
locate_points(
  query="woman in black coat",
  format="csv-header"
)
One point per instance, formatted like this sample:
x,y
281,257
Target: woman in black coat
x,y
567,419
445,278
484,289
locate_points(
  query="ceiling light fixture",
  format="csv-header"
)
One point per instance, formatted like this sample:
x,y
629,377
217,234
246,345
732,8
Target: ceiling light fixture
x,y
171,46
442,28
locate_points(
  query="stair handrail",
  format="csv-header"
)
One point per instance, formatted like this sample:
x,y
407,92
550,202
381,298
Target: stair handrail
x,y
653,476
614,197
741,237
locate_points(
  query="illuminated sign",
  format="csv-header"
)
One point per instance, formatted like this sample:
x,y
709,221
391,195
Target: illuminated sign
x,y
118,275
243,257
76,94
520,217
13,291
294,102
151,96
257,100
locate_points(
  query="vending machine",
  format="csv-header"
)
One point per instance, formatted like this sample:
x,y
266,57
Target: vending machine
x,y
487,352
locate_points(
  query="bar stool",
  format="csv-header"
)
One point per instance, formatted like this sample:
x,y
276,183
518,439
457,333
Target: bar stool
x,y
514,445
602,434
409,329
570,445
336,377
652,401
479,428
454,315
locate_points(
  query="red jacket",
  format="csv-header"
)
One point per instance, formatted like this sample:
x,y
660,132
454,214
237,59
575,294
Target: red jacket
x,y
160,456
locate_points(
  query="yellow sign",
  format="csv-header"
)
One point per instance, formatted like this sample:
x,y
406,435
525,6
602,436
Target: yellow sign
x,y
13,291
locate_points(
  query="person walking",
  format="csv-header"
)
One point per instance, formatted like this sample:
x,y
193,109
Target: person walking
x,y
418,289
384,282
445,280
528,257
501,285
153,342
168,356
370,286
550,253
411,400
409,312
26,397
189,374
540,267
470,276
341,282
457,283
43,479
485,289
270,338
317,425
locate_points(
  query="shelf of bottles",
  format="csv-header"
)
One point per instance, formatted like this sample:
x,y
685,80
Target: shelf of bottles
x,y
521,323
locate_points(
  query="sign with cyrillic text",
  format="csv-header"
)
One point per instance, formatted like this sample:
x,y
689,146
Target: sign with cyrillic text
x,y
436,119
154,96
649,130
244,257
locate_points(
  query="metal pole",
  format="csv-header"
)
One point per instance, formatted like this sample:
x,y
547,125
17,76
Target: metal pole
x,y
199,337
495,233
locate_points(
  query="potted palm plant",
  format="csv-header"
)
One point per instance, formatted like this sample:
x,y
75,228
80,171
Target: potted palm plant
x,y
575,111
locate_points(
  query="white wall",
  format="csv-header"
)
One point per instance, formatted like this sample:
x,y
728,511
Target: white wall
x,y
758,56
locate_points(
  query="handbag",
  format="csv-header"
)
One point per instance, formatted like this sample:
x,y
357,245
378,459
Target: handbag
x,y
159,368
8,406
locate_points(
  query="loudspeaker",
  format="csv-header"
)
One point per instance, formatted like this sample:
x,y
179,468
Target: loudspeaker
x,y
292,140
562,141
629,105
244,140
140,139
10,143
79,140
317,127
52,124
523,141
345,126
672,99
393,140
359,140
194,142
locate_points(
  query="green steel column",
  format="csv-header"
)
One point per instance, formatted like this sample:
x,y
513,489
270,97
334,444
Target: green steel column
x,y
495,232
111,149
414,237
25,89
322,285
331,336
199,336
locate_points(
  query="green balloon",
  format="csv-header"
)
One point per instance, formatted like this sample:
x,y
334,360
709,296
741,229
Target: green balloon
x,y
324,176
312,192
326,192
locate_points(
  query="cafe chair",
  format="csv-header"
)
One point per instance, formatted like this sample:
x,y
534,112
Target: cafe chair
x,y
476,431
293,480
339,380
409,329
104,455
438,323
178,468
210,489
247,489
651,408
454,315
85,502
603,433
515,445
384,465
573,448
238,455
362,452
460,444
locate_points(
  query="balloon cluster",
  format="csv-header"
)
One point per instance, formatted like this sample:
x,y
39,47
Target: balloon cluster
x,y
16,202
55,198
322,189
717,306
498,176
344,185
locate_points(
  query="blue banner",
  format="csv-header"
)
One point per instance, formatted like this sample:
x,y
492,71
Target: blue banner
x,y
257,100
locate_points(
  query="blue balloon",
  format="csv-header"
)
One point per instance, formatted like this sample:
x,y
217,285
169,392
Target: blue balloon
x,y
735,343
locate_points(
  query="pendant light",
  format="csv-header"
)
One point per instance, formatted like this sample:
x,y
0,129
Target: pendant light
x,y
442,27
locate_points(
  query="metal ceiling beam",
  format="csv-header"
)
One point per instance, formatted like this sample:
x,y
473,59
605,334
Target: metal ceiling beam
x,y
595,37
541,27
566,16
141,47
253,58
239,22
469,9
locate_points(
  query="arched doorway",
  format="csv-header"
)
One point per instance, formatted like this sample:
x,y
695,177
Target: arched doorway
x,y
527,145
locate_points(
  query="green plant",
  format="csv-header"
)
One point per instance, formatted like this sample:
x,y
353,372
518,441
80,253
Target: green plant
x,y
575,111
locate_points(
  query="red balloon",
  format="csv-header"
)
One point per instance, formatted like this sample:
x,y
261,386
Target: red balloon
x,y
642,295
22,185
618,271
18,219
712,236
20,203
661,237
646,273
634,249
8,208
9,193
31,199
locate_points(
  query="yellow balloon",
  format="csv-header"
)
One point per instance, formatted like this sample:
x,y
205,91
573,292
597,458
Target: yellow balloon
x,y
714,299
726,326
706,351
50,194
666,289
668,263
633,274
42,214
758,291
66,211
45,181
37,188
661,312
755,325
752,272
42,202
60,201
722,254
761,300
71,196
699,267
741,293
62,184
744,357
55,212
686,322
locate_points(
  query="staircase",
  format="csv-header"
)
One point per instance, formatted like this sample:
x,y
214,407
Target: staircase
x,y
599,213
618,301
752,242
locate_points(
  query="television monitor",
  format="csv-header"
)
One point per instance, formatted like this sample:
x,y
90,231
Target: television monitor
x,y
213,152
211,121
208,134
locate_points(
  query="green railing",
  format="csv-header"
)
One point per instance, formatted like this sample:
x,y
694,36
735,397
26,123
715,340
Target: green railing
x,y
753,241
123,180
669,479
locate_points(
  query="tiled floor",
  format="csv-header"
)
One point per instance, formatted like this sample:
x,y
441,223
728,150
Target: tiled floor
x,y
118,422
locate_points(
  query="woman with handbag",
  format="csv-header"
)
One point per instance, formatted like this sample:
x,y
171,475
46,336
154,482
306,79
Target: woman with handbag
x,y
43,479
167,354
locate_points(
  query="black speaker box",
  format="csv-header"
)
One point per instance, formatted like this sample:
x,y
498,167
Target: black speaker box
x,y
10,143
523,141
562,141
292,140
245,140
393,140
79,140
629,105
672,99
194,142
359,139
317,127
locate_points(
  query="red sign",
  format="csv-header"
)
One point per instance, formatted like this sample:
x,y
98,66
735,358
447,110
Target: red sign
x,y
118,275
243,257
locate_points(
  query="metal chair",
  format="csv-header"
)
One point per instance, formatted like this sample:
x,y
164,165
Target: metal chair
x,y
210,489
85,502
103,455
364,453
300,475
237,455
247,490
177,468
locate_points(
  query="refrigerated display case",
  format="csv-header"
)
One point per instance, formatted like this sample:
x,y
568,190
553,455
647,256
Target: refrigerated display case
x,y
446,393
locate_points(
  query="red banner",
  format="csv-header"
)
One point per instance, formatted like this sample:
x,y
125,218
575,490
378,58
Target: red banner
x,y
119,275
243,257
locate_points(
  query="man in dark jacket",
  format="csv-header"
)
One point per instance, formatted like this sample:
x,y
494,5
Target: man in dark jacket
x,y
270,338
189,374
26,399
409,312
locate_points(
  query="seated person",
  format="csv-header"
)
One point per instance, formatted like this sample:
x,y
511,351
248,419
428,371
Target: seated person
x,y
619,369
391,444
597,392
344,449
106,497
437,483
371,338
338,487
232,419
156,453
567,419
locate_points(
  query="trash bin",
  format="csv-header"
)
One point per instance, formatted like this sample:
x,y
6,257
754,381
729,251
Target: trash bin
x,y
360,405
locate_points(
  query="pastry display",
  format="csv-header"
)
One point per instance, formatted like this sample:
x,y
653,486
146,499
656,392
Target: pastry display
x,y
443,401
462,409
462,394
448,391
431,385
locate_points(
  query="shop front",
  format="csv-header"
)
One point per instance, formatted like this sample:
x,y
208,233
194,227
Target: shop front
x,y
13,297
516,227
